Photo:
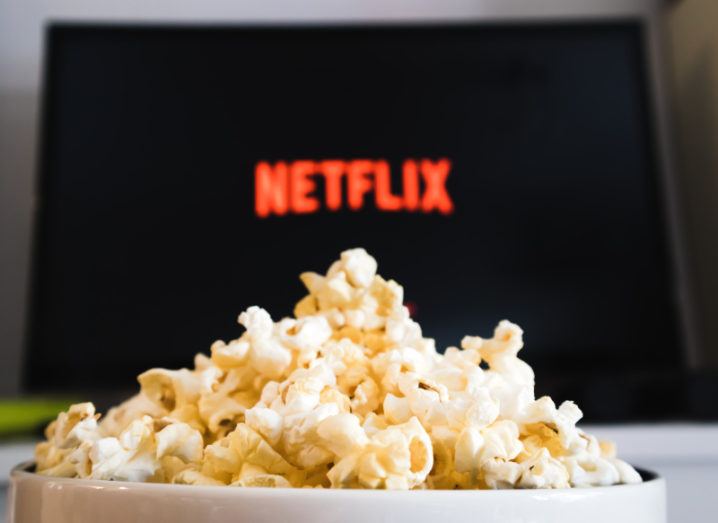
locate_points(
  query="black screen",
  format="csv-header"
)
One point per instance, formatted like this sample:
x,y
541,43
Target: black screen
x,y
539,203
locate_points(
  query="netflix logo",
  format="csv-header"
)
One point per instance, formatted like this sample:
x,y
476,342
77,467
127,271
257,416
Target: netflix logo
x,y
291,187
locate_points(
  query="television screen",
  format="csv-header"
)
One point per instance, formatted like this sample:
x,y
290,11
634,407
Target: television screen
x,y
496,171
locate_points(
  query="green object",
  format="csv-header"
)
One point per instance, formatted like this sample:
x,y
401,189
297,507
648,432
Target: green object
x,y
28,415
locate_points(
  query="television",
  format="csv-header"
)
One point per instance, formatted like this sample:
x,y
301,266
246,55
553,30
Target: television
x,y
505,169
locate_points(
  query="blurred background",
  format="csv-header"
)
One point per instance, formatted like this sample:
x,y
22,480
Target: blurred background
x,y
551,162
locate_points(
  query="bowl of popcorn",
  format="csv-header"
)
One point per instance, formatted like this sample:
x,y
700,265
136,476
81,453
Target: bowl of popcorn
x,y
344,412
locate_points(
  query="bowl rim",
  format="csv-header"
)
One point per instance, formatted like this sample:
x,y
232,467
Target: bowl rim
x,y
25,470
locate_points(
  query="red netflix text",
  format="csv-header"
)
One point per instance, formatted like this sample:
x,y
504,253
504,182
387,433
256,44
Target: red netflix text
x,y
291,187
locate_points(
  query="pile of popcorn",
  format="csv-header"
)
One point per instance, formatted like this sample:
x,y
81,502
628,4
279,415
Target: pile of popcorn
x,y
348,394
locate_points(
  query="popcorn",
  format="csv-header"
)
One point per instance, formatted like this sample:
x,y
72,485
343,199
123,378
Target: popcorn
x,y
69,441
180,440
347,394
192,477
398,457
626,473
342,434
396,409
543,471
359,267
228,356
266,422
169,389
130,457
224,404
497,454
78,424
267,355
587,470
561,421
117,418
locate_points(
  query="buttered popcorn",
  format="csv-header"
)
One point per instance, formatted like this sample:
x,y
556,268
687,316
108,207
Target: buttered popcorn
x,y
347,394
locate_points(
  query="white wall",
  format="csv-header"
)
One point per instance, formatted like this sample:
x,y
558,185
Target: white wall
x,y
693,33
21,26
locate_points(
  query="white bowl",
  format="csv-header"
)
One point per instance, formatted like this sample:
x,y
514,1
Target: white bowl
x,y
34,499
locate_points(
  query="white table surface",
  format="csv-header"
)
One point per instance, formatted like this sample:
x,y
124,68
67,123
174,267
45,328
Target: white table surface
x,y
685,454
